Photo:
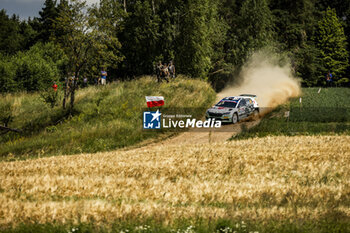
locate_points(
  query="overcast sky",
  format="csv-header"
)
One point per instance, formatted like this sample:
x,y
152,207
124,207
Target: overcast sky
x,y
26,8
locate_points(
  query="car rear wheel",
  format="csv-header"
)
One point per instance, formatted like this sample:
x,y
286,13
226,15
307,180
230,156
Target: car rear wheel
x,y
256,113
234,118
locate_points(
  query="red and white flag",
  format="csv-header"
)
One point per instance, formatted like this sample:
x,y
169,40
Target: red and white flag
x,y
154,101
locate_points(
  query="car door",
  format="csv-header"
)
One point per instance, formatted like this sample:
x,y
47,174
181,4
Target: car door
x,y
242,109
250,106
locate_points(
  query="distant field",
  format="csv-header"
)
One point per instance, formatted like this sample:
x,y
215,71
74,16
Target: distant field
x,y
272,184
324,113
104,118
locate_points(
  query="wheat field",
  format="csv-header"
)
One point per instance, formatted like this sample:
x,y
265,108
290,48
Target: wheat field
x,y
301,177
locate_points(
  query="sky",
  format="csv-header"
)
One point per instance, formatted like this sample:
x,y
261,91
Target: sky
x,y
26,8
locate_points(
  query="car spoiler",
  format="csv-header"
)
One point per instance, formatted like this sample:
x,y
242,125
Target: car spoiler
x,y
248,95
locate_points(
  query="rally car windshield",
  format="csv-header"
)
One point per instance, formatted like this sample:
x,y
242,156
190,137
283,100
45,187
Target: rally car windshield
x,y
227,104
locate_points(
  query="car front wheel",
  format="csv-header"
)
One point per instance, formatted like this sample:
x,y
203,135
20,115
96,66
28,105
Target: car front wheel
x,y
234,118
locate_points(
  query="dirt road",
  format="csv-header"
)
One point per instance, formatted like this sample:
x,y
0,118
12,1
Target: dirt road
x,y
223,135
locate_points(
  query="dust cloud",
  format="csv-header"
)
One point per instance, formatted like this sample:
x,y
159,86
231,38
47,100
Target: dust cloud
x,y
263,76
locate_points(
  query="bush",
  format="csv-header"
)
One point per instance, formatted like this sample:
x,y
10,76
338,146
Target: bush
x,y
50,97
6,112
32,70
7,73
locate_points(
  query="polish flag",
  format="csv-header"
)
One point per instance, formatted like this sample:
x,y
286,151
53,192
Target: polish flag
x,y
154,101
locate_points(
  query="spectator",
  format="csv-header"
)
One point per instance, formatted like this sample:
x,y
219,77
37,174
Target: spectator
x,y
54,86
97,80
172,70
329,79
159,69
165,72
85,82
103,77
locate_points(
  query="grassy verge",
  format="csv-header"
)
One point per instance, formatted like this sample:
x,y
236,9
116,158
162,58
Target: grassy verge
x,y
320,112
104,118
190,226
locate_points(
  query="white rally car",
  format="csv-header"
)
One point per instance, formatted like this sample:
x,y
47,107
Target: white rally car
x,y
233,109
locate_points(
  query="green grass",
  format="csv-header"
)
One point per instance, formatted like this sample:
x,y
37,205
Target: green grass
x,y
104,118
324,113
191,226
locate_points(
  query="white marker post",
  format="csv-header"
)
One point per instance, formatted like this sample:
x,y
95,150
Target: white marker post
x,y
319,91
286,115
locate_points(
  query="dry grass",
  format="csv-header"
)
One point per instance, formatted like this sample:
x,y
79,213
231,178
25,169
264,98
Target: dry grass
x,y
306,177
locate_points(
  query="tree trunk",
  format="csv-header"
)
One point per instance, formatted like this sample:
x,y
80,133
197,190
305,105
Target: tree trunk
x,y
65,95
125,5
153,7
72,97
73,89
10,129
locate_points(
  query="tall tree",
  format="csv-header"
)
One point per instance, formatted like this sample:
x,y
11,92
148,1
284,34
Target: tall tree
x,y
86,34
257,27
47,18
194,45
86,38
170,13
295,21
15,35
106,21
331,41
10,38
140,39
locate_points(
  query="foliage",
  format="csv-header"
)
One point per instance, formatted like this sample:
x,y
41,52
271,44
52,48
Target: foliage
x,y
86,36
106,21
331,41
257,27
140,37
207,39
47,18
32,70
194,43
15,35
6,112
50,97
7,73
307,64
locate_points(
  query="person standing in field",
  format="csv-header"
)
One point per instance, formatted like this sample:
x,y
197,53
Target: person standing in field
x,y
103,77
329,79
97,80
54,86
85,82
172,70
159,68
166,72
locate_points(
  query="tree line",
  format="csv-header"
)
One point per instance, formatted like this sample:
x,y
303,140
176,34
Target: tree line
x,y
205,39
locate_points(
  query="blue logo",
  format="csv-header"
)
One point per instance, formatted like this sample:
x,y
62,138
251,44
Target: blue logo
x,y
151,120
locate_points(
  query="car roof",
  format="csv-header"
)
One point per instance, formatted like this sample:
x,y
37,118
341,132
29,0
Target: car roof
x,y
236,98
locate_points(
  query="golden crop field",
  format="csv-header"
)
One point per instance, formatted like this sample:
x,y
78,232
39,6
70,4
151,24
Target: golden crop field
x,y
302,177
